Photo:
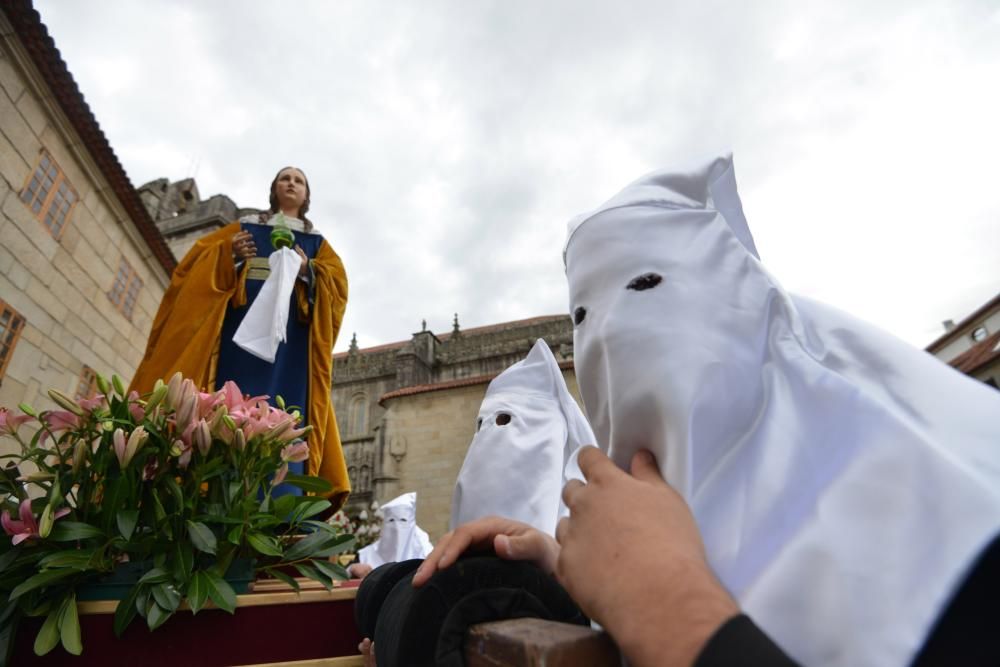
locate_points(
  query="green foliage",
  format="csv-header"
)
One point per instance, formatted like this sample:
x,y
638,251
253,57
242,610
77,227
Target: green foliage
x,y
163,479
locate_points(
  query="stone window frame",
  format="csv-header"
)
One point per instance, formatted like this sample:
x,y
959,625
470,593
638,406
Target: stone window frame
x,y
49,195
358,414
86,385
124,292
11,326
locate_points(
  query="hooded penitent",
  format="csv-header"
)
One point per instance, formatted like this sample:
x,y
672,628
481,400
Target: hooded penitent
x,y
842,480
401,538
527,428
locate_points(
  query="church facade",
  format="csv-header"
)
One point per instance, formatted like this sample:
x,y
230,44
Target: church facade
x,y
407,410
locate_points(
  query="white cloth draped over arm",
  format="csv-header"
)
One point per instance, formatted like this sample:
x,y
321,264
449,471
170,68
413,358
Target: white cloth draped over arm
x,y
263,327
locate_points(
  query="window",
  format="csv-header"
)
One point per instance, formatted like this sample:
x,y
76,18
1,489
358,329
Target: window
x,y
359,412
11,324
49,195
980,334
125,290
86,386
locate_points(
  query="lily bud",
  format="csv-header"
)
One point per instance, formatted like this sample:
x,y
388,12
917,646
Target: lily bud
x,y
174,390
135,443
229,421
177,448
45,522
278,429
159,393
37,477
65,402
240,440
118,385
102,384
79,455
119,441
280,401
27,409
186,412
202,437
220,413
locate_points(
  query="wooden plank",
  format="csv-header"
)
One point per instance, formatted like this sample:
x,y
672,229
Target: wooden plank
x,y
346,661
532,642
288,596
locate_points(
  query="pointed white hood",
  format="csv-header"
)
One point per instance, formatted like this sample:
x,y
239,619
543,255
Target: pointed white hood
x,y
401,538
842,480
527,428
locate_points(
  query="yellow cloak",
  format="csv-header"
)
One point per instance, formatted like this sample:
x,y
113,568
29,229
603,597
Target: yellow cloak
x,y
186,330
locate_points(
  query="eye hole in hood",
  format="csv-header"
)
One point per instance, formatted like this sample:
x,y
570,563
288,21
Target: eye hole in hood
x,y
644,282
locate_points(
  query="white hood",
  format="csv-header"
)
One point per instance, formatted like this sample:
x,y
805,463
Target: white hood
x,y
842,480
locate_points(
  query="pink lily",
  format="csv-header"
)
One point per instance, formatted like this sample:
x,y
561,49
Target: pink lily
x,y
27,527
202,437
58,421
92,403
135,408
295,453
279,476
9,422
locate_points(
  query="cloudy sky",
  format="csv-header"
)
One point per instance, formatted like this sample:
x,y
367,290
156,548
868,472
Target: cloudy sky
x,y
447,143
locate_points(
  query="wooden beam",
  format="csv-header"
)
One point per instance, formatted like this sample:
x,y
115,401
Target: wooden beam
x,y
532,642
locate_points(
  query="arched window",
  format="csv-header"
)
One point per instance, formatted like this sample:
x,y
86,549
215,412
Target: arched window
x,y
359,414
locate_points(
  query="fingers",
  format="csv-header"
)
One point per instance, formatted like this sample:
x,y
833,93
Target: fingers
x,y
533,546
571,492
592,460
644,467
243,245
480,533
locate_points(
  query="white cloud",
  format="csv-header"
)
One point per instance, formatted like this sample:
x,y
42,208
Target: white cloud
x,y
448,143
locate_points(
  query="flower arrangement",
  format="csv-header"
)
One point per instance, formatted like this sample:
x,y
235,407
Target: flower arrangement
x,y
179,481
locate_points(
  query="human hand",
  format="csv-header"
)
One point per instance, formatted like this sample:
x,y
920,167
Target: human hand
x,y
359,570
367,650
670,603
512,540
305,261
243,246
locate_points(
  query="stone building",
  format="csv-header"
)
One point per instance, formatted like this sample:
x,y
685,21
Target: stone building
x,y
182,216
973,345
407,410
82,266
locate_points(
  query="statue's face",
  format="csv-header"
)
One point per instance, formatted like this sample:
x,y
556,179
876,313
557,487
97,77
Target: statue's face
x,y
291,188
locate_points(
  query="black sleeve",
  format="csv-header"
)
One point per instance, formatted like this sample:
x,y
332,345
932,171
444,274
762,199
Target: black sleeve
x,y
966,633
738,643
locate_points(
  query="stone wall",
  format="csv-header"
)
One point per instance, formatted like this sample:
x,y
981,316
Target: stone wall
x,y
60,285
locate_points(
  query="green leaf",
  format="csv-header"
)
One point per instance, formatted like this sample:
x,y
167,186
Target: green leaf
x,y
155,576
336,545
321,525
233,491
282,505
307,509
143,600
307,570
125,611
335,571
278,574
78,560
43,578
183,561
221,592
8,557
9,618
166,596
307,483
235,535
69,531
126,522
157,616
69,626
264,544
161,514
175,491
306,546
197,592
202,537
48,636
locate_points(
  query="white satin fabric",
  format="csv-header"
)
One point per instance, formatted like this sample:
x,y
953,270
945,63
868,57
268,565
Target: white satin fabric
x,y
843,481
527,428
265,324
401,538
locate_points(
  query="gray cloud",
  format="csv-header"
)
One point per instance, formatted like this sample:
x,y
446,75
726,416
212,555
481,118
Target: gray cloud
x,y
448,143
